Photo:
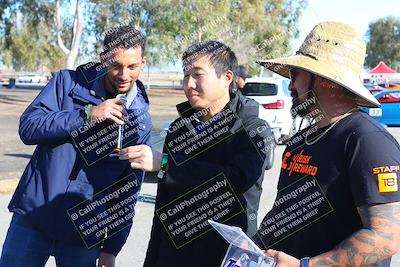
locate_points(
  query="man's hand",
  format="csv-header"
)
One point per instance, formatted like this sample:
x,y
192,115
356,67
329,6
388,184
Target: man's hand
x,y
283,259
142,157
110,109
106,260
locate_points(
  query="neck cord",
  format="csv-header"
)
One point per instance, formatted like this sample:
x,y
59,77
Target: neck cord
x,y
330,127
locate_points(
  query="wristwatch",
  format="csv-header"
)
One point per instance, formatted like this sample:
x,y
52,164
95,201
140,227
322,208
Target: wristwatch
x,y
305,262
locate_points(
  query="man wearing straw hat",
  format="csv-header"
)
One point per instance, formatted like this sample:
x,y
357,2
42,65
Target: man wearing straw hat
x,y
338,196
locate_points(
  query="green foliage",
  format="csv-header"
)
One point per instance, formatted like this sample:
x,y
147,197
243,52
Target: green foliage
x,y
23,50
26,53
28,40
384,42
174,24
264,27
7,57
254,29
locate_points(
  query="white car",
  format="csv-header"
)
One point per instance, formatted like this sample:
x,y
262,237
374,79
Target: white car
x,y
31,78
275,102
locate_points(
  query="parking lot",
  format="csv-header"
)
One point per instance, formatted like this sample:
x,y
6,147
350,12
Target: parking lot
x,y
14,156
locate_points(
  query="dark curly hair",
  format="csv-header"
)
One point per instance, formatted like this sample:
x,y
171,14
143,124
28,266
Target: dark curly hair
x,y
124,37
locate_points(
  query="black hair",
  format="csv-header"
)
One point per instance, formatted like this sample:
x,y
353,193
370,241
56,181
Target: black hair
x,y
123,36
220,56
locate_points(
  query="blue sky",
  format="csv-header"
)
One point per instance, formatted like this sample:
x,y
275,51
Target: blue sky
x,y
357,13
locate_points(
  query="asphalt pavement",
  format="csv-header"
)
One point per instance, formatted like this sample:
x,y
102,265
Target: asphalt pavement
x,y
133,253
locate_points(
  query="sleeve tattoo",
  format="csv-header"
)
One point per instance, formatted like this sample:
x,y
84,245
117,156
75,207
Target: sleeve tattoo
x,y
378,240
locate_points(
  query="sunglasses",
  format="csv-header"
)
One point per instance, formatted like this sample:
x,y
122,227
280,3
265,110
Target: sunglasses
x,y
292,74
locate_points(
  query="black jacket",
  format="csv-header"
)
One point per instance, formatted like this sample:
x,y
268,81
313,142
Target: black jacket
x,y
239,155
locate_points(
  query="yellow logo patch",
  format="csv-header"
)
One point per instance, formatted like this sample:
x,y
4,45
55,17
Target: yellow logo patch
x,y
388,182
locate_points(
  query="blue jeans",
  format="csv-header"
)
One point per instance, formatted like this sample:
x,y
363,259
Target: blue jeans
x,y
25,246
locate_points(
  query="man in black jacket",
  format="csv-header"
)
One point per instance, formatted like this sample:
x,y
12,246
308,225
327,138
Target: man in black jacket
x,y
213,163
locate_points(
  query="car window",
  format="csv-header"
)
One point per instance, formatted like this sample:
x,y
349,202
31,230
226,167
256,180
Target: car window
x,y
285,85
260,89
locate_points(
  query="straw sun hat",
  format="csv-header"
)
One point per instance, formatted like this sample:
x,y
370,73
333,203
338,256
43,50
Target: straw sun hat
x,y
334,51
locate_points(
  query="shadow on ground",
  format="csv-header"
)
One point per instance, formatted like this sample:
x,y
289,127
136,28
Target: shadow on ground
x,y
16,155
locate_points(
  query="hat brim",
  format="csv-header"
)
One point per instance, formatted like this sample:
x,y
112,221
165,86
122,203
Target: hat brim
x,y
325,69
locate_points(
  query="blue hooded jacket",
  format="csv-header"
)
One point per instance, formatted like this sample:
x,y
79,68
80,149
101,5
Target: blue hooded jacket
x,y
57,177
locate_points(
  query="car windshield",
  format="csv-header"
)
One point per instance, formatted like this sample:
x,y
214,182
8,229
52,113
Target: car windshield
x,y
260,89
285,85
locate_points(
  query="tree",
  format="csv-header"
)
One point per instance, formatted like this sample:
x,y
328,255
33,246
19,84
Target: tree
x,y
71,53
175,24
23,50
48,32
27,44
263,29
384,42
253,28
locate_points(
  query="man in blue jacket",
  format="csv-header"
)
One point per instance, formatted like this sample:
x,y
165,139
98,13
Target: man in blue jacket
x,y
68,204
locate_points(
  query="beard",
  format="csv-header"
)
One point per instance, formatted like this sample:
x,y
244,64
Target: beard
x,y
112,89
297,103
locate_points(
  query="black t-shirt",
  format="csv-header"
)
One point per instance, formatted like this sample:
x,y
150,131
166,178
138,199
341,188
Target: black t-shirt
x,y
321,185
